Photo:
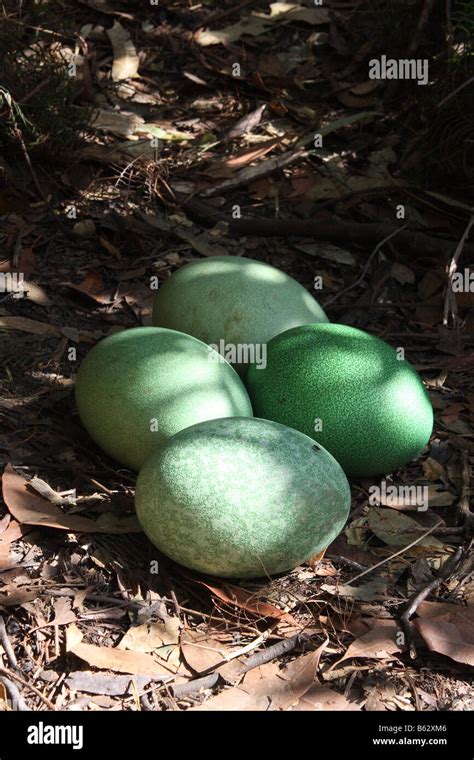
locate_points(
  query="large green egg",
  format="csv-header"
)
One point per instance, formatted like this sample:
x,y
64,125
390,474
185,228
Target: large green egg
x,y
138,387
350,391
234,302
241,498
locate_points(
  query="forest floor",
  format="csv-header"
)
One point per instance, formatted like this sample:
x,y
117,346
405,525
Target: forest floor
x,y
166,171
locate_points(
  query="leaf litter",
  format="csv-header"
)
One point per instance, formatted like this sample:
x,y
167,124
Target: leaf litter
x,y
72,562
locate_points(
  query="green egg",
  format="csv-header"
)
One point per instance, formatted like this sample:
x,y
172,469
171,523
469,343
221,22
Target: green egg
x,y
241,498
350,391
235,304
138,387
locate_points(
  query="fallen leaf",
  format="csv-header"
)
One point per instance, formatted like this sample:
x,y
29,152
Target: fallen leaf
x,y
397,529
327,251
432,469
451,633
161,637
201,651
281,11
321,698
122,124
270,687
250,25
118,660
126,60
376,589
30,326
381,643
239,597
110,247
402,274
29,508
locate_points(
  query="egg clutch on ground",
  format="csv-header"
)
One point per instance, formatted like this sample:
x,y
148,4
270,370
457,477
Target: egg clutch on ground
x,y
223,491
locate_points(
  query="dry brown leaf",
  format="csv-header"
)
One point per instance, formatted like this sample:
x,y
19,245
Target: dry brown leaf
x,y
161,637
239,597
30,326
451,633
270,687
202,652
29,508
92,286
225,169
367,592
63,613
381,643
126,60
397,529
110,247
432,469
118,660
322,698
12,532
15,596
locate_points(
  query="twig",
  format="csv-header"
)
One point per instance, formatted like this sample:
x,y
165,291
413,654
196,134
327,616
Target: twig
x,y
256,172
36,691
345,561
339,232
18,134
183,690
392,556
256,660
365,269
15,694
450,300
465,515
5,642
419,596
455,92
276,650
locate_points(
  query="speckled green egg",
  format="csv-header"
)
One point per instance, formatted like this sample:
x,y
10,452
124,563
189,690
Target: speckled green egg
x,y
234,302
350,391
138,387
241,498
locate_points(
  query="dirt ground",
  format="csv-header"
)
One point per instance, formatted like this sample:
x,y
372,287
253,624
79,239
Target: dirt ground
x,y
127,166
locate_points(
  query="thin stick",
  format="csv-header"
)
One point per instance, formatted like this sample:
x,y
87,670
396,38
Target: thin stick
x,y
5,642
392,556
450,301
419,596
10,674
367,265
464,511
15,694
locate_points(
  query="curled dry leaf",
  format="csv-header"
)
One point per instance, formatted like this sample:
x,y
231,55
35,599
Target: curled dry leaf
x,y
381,643
450,633
126,60
270,687
29,508
119,660
239,597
